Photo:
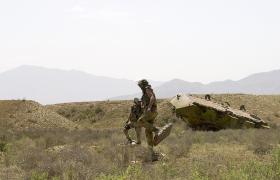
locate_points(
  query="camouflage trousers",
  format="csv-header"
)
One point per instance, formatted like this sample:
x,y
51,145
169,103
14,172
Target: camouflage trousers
x,y
130,125
145,121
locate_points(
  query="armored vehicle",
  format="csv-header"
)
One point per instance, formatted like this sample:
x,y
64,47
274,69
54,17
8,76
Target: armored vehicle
x,y
204,114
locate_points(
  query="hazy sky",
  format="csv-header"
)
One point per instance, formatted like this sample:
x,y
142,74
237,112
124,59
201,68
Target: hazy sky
x,y
195,40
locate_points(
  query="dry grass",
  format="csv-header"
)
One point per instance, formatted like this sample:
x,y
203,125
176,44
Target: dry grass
x,y
108,114
22,114
96,152
114,113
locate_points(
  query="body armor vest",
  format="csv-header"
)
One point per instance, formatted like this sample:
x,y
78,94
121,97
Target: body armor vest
x,y
146,100
136,111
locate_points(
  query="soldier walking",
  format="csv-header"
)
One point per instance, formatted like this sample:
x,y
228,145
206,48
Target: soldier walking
x,y
147,119
135,113
143,114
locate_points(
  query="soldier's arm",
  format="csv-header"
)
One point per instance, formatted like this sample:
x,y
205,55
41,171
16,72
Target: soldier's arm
x,y
130,115
152,98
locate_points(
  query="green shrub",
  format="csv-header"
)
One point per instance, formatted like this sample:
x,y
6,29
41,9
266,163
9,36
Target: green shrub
x,y
39,176
133,172
2,147
98,110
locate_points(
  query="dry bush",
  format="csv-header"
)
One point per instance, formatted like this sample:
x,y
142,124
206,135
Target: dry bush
x,y
98,154
179,146
61,153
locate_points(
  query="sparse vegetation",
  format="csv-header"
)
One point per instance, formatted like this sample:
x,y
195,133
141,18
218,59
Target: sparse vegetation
x,y
2,146
97,154
95,151
84,115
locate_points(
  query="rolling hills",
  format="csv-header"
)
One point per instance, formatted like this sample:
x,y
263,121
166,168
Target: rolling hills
x,y
24,115
265,83
35,143
49,86
113,114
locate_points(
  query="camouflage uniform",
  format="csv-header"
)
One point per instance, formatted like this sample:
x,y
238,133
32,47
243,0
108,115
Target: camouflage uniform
x,y
149,114
135,113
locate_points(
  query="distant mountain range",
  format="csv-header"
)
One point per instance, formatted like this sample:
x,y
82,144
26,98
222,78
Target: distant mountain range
x,y
50,86
261,83
54,86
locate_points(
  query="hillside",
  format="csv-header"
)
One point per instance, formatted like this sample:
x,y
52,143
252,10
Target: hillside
x,y
104,114
23,115
96,150
114,113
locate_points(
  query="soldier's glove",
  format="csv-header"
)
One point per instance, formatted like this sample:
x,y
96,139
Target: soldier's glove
x,y
127,127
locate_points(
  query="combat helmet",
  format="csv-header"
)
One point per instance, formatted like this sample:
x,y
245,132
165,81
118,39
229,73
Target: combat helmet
x,y
143,83
136,100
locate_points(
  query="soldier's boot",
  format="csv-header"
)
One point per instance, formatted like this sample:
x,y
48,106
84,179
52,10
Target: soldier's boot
x,y
152,156
156,130
162,134
129,140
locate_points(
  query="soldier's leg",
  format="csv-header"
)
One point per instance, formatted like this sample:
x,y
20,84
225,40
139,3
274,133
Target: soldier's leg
x,y
150,140
127,127
147,121
138,131
150,137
